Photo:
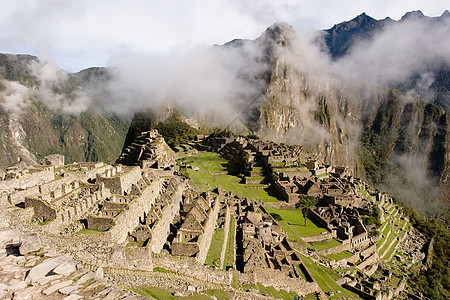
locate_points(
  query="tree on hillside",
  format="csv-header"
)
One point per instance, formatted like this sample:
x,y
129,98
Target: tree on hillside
x,y
304,203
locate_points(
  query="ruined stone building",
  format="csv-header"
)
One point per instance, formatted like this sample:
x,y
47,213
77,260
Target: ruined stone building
x,y
198,217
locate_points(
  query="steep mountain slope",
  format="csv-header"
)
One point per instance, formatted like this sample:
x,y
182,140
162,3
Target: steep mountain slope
x,y
384,134
45,110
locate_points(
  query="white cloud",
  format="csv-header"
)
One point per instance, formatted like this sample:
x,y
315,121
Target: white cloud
x,y
401,50
82,33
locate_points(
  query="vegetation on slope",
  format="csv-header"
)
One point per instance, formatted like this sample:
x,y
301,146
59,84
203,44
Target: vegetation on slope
x,y
434,282
176,131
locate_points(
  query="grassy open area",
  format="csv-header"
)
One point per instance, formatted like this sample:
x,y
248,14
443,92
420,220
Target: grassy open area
x,y
212,171
293,223
325,278
340,255
215,249
162,294
318,246
219,294
229,252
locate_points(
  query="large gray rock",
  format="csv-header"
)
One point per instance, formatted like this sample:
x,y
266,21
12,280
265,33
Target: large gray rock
x,y
9,236
29,243
99,273
73,297
45,268
57,286
86,277
66,268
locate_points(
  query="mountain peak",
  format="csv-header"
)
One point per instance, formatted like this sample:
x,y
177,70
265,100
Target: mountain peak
x,y
415,14
279,33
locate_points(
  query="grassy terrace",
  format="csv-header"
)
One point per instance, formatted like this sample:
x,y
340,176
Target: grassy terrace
x,y
229,252
325,278
162,294
339,256
210,164
293,223
213,257
318,246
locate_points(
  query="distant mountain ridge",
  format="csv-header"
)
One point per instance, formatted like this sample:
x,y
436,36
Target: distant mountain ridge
x,y
341,37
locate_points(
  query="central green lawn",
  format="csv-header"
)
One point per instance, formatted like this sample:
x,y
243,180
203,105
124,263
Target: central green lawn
x,y
209,164
293,223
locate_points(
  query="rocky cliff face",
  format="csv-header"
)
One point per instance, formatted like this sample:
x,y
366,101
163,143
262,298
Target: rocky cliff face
x,y
386,135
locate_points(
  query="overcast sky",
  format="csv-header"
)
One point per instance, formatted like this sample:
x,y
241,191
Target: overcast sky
x,y
76,34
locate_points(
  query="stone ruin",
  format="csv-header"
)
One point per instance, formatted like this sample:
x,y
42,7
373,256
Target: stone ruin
x,y
196,225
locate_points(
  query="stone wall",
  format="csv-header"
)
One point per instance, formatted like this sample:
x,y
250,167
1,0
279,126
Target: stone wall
x,y
28,180
319,238
185,248
369,261
161,229
281,205
363,294
126,221
189,266
205,239
368,251
360,241
318,218
98,250
41,209
119,179
100,223
337,249
19,196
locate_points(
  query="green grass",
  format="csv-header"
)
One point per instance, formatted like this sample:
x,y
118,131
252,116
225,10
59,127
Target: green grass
x,y
248,287
229,252
215,249
340,255
391,251
294,224
325,278
88,231
235,283
288,296
274,292
311,296
318,246
162,270
158,293
154,292
212,162
390,238
263,290
220,295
